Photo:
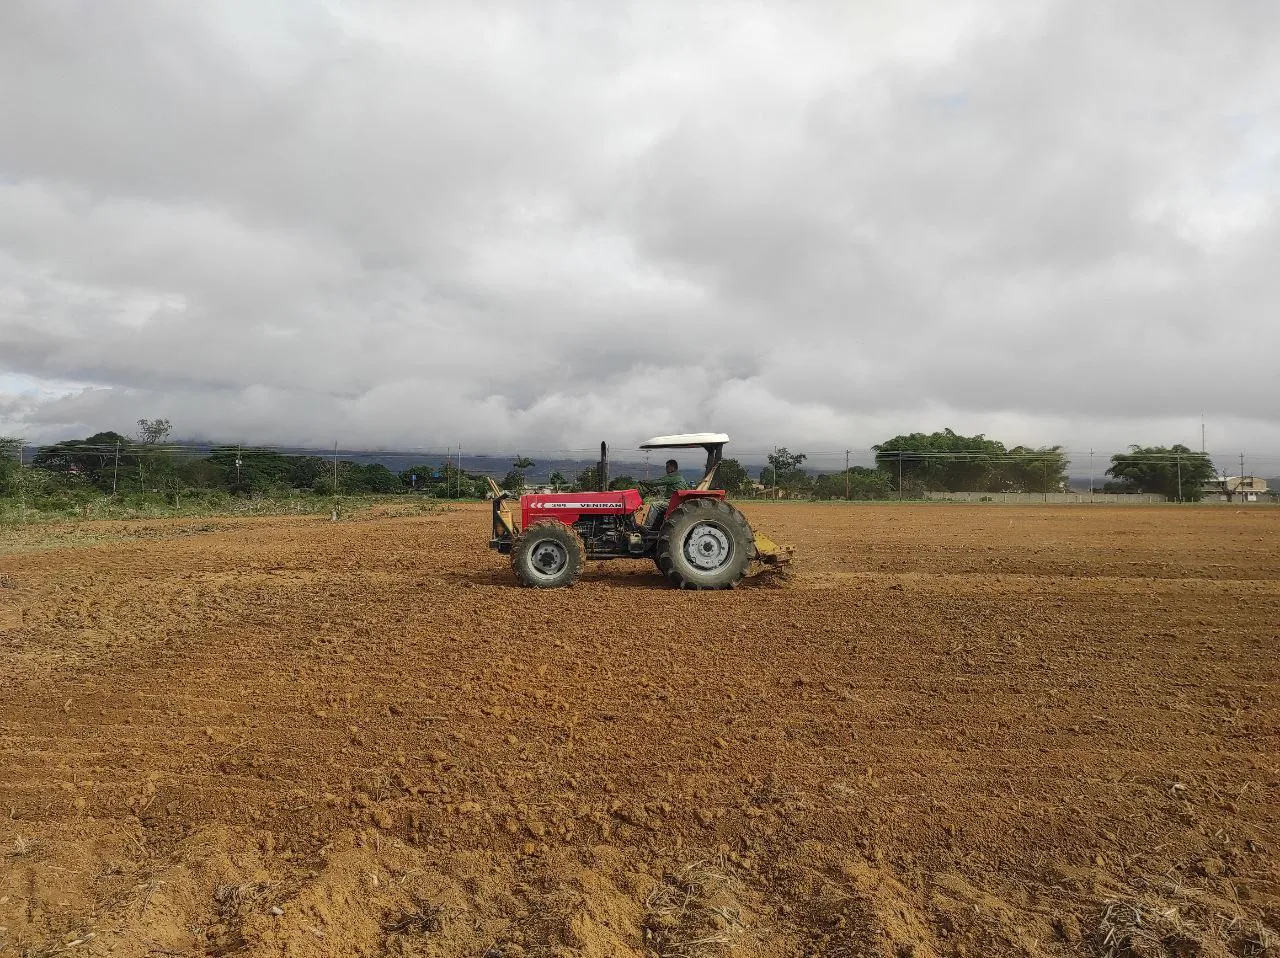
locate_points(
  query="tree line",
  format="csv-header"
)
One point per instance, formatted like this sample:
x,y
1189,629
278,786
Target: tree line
x,y
947,461
906,466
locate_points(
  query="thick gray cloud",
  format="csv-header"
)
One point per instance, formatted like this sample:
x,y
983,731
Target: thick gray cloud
x,y
532,226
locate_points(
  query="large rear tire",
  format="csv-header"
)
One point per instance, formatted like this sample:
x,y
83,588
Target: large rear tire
x,y
705,544
548,555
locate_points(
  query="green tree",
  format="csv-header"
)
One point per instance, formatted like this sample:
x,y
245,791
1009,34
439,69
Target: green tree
x,y
366,478
624,482
513,481
258,469
416,477
1032,470
156,467
1174,472
558,480
201,473
731,477
356,478
152,432
10,462
784,471
447,481
943,461
98,459
859,481
303,471
469,487
588,480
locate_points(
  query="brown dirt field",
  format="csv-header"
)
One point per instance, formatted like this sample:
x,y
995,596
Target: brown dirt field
x,y
951,731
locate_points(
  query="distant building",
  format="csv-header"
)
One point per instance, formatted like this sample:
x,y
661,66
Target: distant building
x,y
1236,488
758,490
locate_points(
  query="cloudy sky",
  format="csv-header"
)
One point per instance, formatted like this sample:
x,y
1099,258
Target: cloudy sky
x,y
536,225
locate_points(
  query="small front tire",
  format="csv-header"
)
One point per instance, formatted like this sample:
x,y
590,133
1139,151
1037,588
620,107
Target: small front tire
x,y
548,555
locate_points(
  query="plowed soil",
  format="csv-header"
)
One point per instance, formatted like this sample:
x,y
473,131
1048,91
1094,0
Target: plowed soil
x,y
949,731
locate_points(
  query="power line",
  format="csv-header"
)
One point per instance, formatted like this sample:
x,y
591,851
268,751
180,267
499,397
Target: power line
x,y
121,449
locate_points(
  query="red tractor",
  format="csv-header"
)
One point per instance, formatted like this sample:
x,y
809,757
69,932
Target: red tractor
x,y
696,539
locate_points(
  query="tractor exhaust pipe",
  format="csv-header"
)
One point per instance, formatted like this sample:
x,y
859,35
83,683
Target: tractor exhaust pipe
x,y
603,471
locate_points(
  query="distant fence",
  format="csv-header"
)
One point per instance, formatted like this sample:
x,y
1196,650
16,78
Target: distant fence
x,y
113,462
1062,498
1098,498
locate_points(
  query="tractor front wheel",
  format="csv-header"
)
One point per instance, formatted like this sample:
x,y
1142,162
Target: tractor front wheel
x,y
705,544
548,555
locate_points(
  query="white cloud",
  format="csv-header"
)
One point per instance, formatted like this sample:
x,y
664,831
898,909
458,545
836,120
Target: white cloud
x,y
531,226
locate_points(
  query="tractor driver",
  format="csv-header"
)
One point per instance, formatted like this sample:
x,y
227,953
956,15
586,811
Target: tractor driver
x,y
664,485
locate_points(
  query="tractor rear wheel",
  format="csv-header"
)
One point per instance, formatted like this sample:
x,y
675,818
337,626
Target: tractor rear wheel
x,y
548,555
705,544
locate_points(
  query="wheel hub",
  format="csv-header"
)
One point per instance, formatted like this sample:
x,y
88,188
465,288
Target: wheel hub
x,y
707,546
549,558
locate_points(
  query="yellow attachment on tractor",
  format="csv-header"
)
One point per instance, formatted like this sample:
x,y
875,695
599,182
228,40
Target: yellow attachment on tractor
x,y
503,514
770,553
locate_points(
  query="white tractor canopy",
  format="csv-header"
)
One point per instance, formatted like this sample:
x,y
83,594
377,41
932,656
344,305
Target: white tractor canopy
x,y
686,441
713,442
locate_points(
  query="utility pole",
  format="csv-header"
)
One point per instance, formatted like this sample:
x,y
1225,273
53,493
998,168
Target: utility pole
x,y
459,470
237,465
1202,432
1240,488
335,467
1091,475
899,474
846,475
22,487
1179,455
1046,480
115,475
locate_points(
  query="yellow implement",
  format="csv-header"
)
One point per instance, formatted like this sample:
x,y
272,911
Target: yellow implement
x,y
770,553
504,517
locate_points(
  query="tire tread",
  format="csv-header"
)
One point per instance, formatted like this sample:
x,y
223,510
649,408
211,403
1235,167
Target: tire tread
x,y
703,507
567,534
